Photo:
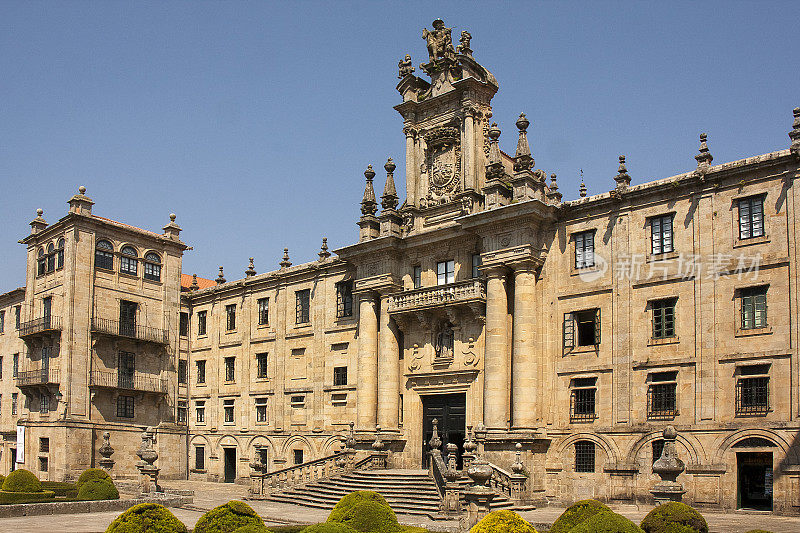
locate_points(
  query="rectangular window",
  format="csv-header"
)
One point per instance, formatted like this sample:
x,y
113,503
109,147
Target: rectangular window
x,y
661,234
201,323
127,318
230,369
199,457
584,456
417,277
751,217
127,264
184,324
584,249
230,317
261,409
126,369
1,367
44,403
662,396
182,411
14,404
445,272
15,363
200,411
663,318
261,360
152,271
581,328
44,445
43,464
263,311
103,258
302,306
339,376
227,406
298,402
182,371
752,390
17,316
125,406
2,321
753,307
298,457
201,371
582,400
344,299
476,264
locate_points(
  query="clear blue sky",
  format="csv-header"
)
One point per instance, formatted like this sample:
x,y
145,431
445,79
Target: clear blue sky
x,y
253,121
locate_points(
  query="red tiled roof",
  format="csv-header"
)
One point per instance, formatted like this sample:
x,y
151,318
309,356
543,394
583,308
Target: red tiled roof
x,y
203,283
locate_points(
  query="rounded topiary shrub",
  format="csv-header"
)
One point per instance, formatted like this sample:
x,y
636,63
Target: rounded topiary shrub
x,y
606,523
758,531
228,517
674,517
91,474
22,480
348,501
502,521
98,489
329,527
147,518
252,528
577,513
371,517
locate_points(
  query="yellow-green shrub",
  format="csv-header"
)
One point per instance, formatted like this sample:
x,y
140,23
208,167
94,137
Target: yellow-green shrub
x,y
606,522
228,517
22,480
348,501
147,518
674,517
91,474
98,489
577,513
502,521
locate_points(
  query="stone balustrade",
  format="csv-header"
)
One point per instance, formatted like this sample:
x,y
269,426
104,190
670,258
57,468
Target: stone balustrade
x,y
462,292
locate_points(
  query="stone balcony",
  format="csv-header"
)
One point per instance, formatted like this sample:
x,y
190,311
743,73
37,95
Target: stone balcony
x,y
41,326
131,330
37,378
445,299
134,381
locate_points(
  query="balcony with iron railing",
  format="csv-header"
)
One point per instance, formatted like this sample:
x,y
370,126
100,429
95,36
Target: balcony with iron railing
x,y
44,325
129,329
471,291
135,381
32,378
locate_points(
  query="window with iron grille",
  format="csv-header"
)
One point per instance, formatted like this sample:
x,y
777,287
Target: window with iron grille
x,y
227,406
128,260
752,395
104,255
201,371
339,376
182,411
445,272
184,324
751,217
584,249
230,317
125,406
302,306
658,448
201,323
263,311
200,411
582,400
261,409
344,299
261,360
44,445
417,276
753,307
152,266
230,369
44,403
199,457
663,318
182,371
43,464
581,328
584,456
661,396
476,264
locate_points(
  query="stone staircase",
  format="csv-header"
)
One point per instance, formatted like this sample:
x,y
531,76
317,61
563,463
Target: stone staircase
x,y
407,491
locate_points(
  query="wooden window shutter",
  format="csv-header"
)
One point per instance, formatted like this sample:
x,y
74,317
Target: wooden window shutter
x,y
597,326
569,332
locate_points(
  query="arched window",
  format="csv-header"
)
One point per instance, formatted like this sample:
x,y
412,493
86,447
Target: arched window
x,y
41,263
152,266
104,255
51,257
754,442
584,456
128,260
60,254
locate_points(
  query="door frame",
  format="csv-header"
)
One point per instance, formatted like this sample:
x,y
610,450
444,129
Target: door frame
x,y
226,450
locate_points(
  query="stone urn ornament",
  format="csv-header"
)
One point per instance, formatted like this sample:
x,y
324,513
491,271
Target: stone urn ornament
x,y
669,467
106,451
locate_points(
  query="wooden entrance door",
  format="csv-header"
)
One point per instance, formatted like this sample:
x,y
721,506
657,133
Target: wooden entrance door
x,y
450,411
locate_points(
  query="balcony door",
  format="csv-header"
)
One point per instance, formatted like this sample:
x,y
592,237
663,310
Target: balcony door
x,y
126,367
127,318
47,306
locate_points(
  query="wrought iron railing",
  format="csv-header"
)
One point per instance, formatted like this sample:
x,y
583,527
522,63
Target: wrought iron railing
x,y
37,377
40,325
128,380
460,292
130,329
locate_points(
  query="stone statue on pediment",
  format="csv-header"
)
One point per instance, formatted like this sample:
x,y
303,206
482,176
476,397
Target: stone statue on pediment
x,y
440,42
404,67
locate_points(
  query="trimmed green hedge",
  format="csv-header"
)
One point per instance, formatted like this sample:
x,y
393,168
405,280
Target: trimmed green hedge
x,y
91,474
502,521
674,517
329,527
345,505
147,518
98,489
228,517
22,480
62,489
372,517
27,497
606,522
252,528
577,513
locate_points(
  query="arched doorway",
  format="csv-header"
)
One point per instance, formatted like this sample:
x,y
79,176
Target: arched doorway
x,y
754,473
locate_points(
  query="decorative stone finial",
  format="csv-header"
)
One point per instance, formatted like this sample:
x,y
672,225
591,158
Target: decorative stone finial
x,y
517,467
405,67
582,190
82,189
106,451
522,157
39,212
251,269
622,178
323,250
221,278
669,467
704,158
378,445
451,473
494,165
285,263
470,445
794,135
194,286
435,441
351,439
80,203
553,193
368,204
389,200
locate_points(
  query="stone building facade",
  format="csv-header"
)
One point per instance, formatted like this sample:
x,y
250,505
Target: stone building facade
x,y
578,329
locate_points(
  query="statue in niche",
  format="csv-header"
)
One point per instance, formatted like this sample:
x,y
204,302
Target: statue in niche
x,y
440,42
444,343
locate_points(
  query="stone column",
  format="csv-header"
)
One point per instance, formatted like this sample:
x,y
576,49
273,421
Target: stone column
x,y
468,141
367,397
496,379
388,370
411,165
523,360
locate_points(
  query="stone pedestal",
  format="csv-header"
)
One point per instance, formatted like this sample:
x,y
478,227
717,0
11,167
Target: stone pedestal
x,y
148,479
478,500
668,466
106,451
452,499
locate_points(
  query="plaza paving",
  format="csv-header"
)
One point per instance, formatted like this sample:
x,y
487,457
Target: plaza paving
x,y
209,495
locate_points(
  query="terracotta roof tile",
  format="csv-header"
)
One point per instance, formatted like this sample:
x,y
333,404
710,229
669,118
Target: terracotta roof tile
x,y
203,283
127,225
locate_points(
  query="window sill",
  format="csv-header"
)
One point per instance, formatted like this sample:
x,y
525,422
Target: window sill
x,y
666,340
583,420
198,471
104,269
128,275
263,326
738,243
595,348
153,281
663,256
754,414
230,331
753,332
585,270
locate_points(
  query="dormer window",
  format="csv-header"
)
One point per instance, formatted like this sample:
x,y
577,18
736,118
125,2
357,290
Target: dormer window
x,y
104,255
128,260
152,266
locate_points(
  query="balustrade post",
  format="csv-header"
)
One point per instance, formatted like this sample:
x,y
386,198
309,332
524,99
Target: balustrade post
x,y
519,481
